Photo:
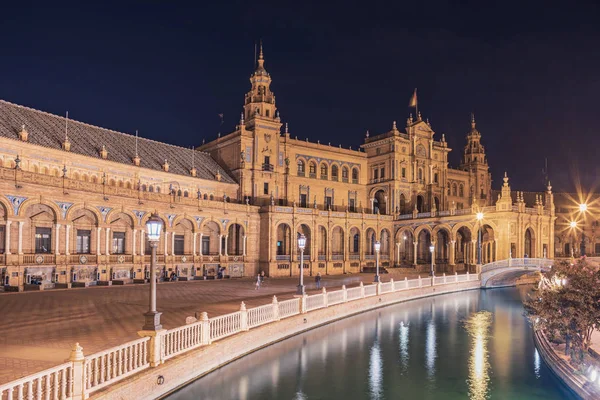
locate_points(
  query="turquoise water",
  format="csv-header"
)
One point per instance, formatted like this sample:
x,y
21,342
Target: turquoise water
x,y
469,345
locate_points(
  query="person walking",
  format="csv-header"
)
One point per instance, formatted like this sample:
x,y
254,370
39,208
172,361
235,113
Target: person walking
x,y
318,280
257,282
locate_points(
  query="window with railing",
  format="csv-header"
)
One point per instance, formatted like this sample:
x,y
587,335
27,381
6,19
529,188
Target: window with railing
x,y
355,175
312,170
118,243
179,241
83,241
267,166
334,173
43,240
301,170
324,171
344,174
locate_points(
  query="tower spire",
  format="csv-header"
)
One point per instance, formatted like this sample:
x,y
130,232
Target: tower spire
x,y
473,120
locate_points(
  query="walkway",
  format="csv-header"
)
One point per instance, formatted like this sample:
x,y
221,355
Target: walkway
x,y
39,328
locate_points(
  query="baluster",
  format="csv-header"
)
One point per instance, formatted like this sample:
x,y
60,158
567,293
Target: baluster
x,y
135,356
95,372
10,393
48,387
63,384
102,367
40,389
30,390
55,386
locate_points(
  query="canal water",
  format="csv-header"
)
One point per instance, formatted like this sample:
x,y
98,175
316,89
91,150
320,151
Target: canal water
x,y
468,345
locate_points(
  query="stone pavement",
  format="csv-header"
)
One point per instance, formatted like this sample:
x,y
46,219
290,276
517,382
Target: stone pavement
x,y
39,328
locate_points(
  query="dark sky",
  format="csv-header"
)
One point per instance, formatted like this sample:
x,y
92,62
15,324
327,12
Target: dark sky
x,y
530,71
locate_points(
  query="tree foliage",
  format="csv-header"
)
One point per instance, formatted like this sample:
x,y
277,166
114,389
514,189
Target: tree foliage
x,y
567,304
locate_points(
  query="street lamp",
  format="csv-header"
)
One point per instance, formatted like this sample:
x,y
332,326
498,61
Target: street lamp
x,y
377,248
583,207
153,229
432,249
479,218
573,224
301,246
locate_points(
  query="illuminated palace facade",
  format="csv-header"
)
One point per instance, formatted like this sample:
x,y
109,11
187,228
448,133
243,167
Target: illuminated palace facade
x,y
75,197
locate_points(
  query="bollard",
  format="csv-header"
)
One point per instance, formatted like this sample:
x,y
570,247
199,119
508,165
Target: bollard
x,y
455,276
444,277
392,285
205,327
344,294
362,290
420,283
406,282
325,304
468,276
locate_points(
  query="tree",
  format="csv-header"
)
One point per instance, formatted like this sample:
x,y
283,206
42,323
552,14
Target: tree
x,y
567,304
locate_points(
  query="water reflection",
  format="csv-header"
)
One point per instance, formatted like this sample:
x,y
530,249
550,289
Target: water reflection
x,y
404,356
536,364
430,350
478,326
375,371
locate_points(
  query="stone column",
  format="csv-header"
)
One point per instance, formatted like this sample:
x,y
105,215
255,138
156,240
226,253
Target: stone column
x,y
172,243
451,253
194,243
67,234
244,245
107,244
133,242
495,250
474,251
7,238
98,233
56,241
415,244
220,245
142,244
398,253
226,237
200,252
166,243
20,244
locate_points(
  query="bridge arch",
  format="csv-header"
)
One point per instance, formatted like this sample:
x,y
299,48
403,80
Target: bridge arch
x,y
506,272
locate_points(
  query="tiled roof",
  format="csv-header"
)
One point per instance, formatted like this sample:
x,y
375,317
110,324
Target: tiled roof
x,y
48,130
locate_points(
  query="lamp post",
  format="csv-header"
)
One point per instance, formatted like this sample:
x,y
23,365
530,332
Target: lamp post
x,y
377,248
431,250
153,229
479,218
301,246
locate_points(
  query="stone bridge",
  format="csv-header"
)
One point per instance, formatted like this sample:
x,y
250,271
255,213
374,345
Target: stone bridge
x,y
506,272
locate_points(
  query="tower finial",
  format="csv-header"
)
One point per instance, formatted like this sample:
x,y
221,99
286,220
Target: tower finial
x,y
473,120
260,53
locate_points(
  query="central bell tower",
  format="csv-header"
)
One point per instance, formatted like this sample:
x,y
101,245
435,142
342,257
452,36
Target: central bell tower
x,y
260,100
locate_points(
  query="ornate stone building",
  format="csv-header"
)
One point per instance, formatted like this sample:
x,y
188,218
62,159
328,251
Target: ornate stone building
x,y
75,198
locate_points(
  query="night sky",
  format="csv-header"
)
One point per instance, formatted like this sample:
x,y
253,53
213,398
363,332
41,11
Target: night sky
x,y
529,71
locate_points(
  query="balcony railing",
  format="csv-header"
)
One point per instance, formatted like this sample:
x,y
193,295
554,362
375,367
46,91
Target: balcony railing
x,y
355,181
312,175
337,257
268,167
184,258
321,257
39,259
301,173
355,256
345,179
83,259
120,258
283,257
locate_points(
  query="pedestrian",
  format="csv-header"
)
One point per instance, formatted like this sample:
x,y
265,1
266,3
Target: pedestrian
x,y
262,277
257,282
318,280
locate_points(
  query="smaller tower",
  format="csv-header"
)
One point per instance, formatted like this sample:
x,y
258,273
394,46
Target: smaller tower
x,y
260,101
475,162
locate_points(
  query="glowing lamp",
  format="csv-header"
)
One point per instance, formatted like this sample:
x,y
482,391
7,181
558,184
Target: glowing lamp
x,y
377,246
583,207
301,242
479,216
431,248
153,228
573,224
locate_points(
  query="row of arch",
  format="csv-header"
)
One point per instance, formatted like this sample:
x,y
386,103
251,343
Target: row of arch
x,y
324,171
42,231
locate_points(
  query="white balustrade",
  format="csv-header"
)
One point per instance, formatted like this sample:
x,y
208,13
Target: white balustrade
x,y
287,308
370,290
336,297
260,315
182,339
52,384
353,293
385,287
315,301
114,364
225,325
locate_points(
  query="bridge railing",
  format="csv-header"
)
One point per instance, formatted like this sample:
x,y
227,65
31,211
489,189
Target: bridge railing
x,y
518,263
84,375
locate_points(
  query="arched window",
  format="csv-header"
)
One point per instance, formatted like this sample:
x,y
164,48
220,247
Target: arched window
x,y
158,189
454,190
436,178
212,197
461,191
205,196
186,194
324,171
420,174
312,170
354,175
301,170
334,172
345,174
144,188
151,189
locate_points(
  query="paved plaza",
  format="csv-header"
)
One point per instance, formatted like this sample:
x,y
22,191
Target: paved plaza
x,y
39,328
